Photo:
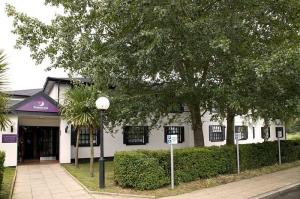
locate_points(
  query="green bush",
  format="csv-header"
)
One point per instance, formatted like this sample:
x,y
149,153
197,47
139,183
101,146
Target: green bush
x,y
135,169
147,169
2,158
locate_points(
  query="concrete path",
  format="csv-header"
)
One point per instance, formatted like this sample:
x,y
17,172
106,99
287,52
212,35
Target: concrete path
x,y
51,181
249,188
45,182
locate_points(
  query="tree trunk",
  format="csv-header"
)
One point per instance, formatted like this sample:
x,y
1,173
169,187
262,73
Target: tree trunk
x,y
197,124
92,152
77,146
266,130
230,128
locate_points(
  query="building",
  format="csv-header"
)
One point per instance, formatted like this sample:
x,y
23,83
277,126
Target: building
x,y
38,132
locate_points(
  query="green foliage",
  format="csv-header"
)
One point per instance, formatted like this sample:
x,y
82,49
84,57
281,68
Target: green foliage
x,y
232,55
135,169
2,158
79,106
144,169
294,127
4,121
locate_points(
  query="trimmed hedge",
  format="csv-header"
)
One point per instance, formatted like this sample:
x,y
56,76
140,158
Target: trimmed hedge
x,y
147,169
2,158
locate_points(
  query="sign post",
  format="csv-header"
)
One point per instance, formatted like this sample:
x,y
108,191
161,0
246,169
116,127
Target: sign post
x,y
279,135
172,139
237,137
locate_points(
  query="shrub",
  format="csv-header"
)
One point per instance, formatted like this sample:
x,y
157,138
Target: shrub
x,y
135,169
2,158
147,169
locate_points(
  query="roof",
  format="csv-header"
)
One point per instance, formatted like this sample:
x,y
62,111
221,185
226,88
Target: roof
x,y
38,103
24,93
50,81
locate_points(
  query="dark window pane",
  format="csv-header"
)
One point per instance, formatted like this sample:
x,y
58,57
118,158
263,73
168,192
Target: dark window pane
x,y
265,132
243,130
216,133
135,135
84,137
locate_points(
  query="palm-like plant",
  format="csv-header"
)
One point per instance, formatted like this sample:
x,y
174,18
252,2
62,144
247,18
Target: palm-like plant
x,y
79,109
4,121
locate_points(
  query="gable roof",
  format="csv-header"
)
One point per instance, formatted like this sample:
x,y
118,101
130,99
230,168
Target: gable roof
x,y
50,82
23,93
38,103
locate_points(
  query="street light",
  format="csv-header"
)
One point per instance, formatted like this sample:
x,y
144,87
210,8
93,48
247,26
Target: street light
x,y
102,104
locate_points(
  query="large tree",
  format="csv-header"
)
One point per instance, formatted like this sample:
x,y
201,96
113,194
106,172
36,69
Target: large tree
x,y
157,54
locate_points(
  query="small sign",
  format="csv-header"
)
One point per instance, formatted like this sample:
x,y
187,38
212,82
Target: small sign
x,y
172,139
9,138
237,136
279,134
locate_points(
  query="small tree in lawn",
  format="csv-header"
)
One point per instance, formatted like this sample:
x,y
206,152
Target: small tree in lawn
x,y
79,108
4,121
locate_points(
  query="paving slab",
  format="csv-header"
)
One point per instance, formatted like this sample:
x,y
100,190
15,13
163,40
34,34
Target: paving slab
x,y
248,188
46,181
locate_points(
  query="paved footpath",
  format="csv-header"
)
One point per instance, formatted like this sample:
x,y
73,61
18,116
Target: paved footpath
x,y
46,181
249,188
51,181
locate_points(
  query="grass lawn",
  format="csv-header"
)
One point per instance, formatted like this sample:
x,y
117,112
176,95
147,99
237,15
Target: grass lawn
x,y
293,136
9,174
82,174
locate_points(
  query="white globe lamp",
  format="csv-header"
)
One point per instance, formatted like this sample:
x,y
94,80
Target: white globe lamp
x,y
102,103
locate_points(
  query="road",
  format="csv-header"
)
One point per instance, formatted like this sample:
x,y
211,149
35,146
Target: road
x,y
293,194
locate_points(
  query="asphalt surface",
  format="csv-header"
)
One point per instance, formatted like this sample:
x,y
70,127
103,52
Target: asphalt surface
x,y
293,194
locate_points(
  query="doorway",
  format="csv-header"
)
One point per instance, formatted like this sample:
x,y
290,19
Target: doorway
x,y
38,143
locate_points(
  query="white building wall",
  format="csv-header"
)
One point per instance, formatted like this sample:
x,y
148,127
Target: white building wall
x,y
114,142
58,91
10,149
54,92
64,142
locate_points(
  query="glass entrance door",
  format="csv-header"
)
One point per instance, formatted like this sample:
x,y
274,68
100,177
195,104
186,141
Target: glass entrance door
x,y
38,143
48,139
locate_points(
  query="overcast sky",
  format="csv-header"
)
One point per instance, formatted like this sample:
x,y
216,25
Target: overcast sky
x,y
22,72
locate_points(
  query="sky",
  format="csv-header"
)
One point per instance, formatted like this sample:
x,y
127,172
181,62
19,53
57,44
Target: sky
x,y
22,71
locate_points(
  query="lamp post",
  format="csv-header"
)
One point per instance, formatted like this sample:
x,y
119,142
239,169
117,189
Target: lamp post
x,y
102,104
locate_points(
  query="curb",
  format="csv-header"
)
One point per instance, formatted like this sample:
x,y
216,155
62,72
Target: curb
x,y
104,193
277,192
13,184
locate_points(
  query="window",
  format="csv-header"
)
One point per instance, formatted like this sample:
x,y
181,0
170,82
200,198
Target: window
x,y
216,133
265,132
243,130
279,131
84,137
253,130
175,130
135,135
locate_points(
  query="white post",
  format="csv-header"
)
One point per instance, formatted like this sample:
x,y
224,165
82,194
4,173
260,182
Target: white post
x,y
172,168
279,150
238,155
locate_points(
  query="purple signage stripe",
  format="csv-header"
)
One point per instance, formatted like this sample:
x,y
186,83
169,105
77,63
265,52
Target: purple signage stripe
x,y
9,138
39,104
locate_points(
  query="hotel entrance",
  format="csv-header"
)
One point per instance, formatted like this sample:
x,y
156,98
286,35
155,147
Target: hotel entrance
x,y
38,143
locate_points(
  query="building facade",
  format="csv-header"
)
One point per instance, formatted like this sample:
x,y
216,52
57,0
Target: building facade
x,y
38,132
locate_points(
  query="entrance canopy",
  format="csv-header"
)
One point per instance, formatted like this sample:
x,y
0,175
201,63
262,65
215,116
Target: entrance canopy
x,y
39,104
